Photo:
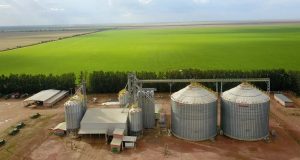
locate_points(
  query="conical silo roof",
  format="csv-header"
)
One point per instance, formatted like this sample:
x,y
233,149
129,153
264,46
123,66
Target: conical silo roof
x,y
194,94
245,94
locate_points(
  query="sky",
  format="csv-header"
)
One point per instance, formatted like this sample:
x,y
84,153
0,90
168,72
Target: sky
x,y
69,12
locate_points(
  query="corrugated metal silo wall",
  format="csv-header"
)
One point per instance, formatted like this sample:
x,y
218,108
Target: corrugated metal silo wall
x,y
146,102
73,115
194,122
123,99
136,123
248,123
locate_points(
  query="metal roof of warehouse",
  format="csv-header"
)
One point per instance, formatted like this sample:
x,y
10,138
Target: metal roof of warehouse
x,y
118,131
116,142
283,98
95,120
56,96
105,115
43,95
129,138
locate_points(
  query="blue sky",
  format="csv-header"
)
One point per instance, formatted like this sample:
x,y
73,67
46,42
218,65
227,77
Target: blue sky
x,y
57,12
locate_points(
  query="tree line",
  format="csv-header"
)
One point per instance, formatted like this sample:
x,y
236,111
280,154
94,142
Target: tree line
x,y
25,83
112,82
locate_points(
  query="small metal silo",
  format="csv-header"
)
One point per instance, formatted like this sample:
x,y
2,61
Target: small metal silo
x,y
123,97
74,111
135,121
245,113
146,102
194,113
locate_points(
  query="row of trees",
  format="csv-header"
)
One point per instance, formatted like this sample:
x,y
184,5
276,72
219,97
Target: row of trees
x,y
25,83
112,82
295,81
106,82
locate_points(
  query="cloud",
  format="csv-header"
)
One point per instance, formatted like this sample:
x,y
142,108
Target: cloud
x,y
5,6
55,12
126,14
56,9
110,3
145,2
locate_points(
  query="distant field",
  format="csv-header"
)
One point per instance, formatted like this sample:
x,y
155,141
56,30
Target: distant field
x,y
232,48
14,39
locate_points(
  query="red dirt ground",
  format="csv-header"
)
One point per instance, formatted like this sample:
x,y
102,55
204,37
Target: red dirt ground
x,y
153,145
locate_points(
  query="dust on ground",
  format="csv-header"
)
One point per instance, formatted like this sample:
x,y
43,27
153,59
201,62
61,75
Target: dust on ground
x,y
36,143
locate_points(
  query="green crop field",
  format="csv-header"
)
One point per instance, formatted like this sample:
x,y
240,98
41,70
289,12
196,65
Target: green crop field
x,y
232,48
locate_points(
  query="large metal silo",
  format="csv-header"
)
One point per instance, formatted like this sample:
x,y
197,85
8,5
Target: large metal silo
x,y
245,113
135,121
74,111
194,113
146,102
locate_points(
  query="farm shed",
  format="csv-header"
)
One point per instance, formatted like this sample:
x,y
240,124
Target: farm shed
x,y
104,121
47,97
118,133
129,141
283,100
60,129
116,145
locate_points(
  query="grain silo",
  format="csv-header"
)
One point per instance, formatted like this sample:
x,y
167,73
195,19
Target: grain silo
x,y
74,111
123,97
146,102
194,113
135,121
245,113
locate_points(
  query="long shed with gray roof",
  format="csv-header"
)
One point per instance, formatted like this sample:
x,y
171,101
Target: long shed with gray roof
x,y
47,97
283,100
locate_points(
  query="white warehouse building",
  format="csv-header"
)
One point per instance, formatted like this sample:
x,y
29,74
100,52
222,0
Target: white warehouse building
x,y
104,121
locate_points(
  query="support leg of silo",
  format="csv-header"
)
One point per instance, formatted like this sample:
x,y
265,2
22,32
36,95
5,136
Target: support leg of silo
x,y
267,139
106,139
141,85
170,85
221,87
221,132
268,86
